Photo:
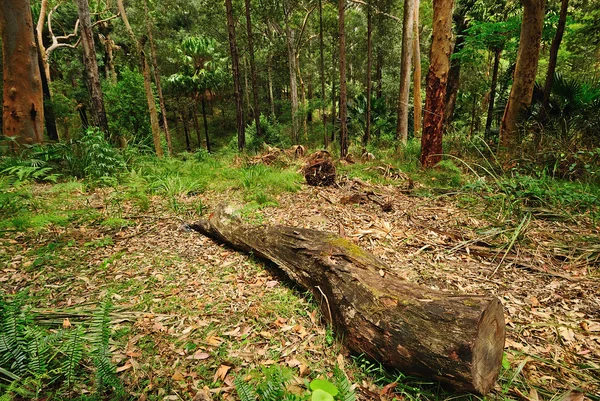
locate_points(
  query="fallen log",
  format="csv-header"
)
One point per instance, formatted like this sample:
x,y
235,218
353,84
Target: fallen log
x,y
457,339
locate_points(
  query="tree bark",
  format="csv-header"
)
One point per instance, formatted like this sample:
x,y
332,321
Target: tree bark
x,y
235,69
23,112
560,30
186,131
418,107
333,95
458,339
405,66
91,67
49,116
454,73
439,56
253,70
490,113
40,39
368,81
343,94
525,72
147,82
322,70
290,39
270,74
156,70
205,124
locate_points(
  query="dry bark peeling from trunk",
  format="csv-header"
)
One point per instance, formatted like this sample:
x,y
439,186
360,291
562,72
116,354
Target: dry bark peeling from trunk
x,y
457,339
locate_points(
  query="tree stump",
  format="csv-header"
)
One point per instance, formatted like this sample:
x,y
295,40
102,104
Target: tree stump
x,y
457,339
320,171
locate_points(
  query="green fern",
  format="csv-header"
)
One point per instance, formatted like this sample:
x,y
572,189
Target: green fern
x,y
73,355
345,389
244,390
12,340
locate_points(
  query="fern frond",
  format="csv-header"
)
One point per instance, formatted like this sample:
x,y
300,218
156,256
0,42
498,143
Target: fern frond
x,y
37,351
100,327
273,389
345,388
73,355
106,375
244,390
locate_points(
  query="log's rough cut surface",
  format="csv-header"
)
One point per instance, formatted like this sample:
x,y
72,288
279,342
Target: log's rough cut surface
x,y
457,339
319,170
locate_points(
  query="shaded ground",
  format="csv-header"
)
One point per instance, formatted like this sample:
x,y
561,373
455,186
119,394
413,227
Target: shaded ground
x,y
192,314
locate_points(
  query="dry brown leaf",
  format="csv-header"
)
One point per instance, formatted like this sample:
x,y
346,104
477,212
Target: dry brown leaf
x,y
221,373
201,355
567,333
203,395
572,396
66,323
214,340
125,367
178,376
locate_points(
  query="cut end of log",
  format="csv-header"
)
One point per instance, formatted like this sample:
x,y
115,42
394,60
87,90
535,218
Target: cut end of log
x,y
320,171
488,348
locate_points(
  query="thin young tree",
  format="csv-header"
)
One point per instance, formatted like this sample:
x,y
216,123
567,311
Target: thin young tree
x,y
253,75
437,78
343,90
322,71
147,81
367,135
23,112
157,79
91,67
235,69
525,72
405,66
418,107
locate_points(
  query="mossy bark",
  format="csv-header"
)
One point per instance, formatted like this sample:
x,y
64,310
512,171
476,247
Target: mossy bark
x,y
457,339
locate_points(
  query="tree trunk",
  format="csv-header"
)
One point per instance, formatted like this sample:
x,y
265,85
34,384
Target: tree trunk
x,y
490,113
253,70
186,131
235,70
405,66
23,112
249,107
343,95
109,62
39,30
270,74
303,94
333,95
418,113
322,70
525,72
289,35
439,56
161,98
458,339
49,117
205,124
560,30
91,67
196,123
379,73
454,74
147,82
368,82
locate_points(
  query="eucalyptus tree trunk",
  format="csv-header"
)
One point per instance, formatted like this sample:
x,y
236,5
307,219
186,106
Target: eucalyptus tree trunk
x,y
253,69
161,98
205,124
40,39
235,69
418,112
405,65
322,70
560,30
369,68
270,77
333,95
490,112
439,56
290,38
147,82
23,112
455,66
525,72
343,91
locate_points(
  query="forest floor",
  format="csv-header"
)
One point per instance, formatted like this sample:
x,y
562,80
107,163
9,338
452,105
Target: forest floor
x,y
191,314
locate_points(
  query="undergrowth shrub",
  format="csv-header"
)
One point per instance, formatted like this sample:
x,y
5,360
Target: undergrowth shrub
x,y
272,133
37,360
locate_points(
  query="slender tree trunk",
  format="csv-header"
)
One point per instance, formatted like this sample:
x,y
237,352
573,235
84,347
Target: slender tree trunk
x,y
322,69
205,124
405,65
490,112
303,94
525,72
379,73
147,82
49,117
249,107
39,30
253,70
343,94
270,74
23,112
418,113
333,95
560,30
161,98
109,66
454,74
91,67
439,56
235,69
186,131
473,115
290,37
369,68
195,121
